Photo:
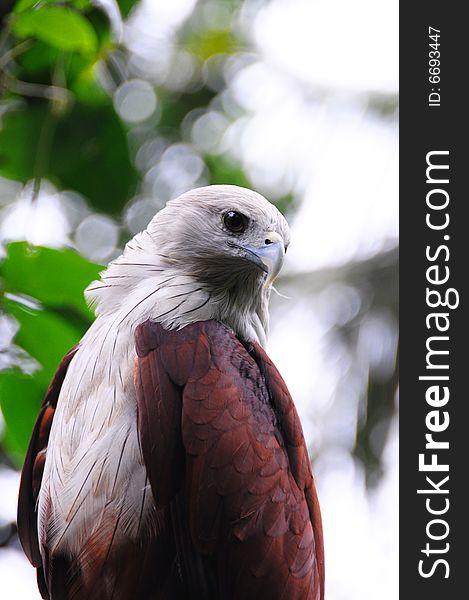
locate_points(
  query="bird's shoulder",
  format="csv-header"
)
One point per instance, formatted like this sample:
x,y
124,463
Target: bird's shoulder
x,y
151,335
194,349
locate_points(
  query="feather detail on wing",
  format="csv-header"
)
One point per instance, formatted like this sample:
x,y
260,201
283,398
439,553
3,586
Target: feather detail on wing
x,y
296,447
33,468
225,453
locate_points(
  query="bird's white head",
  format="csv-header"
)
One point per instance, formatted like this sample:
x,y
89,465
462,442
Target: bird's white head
x,y
221,245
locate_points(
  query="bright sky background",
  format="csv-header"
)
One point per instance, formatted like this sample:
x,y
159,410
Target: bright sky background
x,y
316,61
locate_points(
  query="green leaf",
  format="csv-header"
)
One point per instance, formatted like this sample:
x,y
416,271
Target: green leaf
x,y
87,88
82,4
225,172
17,158
39,58
45,336
89,152
125,6
20,399
58,26
22,5
91,156
56,278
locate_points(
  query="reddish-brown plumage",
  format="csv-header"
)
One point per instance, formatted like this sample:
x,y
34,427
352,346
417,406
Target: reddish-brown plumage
x,y
237,511
34,465
33,469
219,415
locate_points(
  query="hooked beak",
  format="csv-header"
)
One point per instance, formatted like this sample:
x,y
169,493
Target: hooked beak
x,y
270,256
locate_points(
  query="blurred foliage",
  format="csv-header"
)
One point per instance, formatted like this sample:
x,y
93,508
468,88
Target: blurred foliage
x,y
375,282
96,164
53,100
24,268
62,67
43,292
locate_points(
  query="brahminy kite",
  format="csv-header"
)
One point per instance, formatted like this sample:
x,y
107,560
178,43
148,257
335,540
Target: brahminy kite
x,y
168,460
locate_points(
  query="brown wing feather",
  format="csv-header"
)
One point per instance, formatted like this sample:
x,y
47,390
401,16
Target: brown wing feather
x,y
296,447
33,466
243,483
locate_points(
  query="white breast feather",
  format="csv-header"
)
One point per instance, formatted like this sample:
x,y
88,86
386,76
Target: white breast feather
x,y
94,467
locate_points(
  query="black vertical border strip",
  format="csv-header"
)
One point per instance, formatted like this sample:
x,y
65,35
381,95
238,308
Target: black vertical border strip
x,y
424,129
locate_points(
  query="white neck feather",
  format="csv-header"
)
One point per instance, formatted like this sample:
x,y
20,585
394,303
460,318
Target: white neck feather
x,y
140,285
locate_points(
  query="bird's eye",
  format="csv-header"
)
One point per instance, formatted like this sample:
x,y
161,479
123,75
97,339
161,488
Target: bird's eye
x,y
235,222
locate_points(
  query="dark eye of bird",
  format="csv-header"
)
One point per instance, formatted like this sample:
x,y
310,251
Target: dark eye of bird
x,y
235,222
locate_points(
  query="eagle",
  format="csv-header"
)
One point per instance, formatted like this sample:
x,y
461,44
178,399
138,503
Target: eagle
x,y
168,459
